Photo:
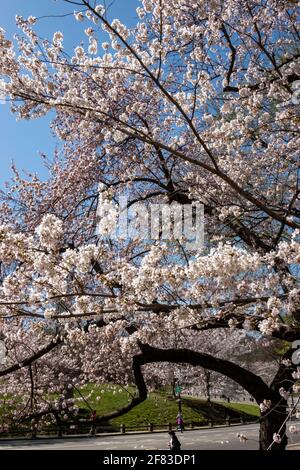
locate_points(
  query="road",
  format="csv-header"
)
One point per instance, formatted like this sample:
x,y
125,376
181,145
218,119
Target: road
x,y
205,439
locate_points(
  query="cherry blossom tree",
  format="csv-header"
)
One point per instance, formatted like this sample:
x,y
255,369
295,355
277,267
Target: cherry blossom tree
x,y
196,104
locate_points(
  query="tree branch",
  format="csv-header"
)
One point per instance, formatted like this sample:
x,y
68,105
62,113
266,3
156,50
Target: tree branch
x,y
254,385
31,359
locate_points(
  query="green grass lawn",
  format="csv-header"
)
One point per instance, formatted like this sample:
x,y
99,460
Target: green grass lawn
x,y
244,408
105,398
159,408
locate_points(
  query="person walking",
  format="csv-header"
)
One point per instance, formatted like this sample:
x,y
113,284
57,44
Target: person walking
x,y
174,443
179,422
93,421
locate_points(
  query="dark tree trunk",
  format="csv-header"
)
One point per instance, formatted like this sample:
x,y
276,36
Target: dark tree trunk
x,y
270,424
58,423
69,393
207,374
174,388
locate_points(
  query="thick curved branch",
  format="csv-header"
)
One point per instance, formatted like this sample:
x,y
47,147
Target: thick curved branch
x,y
31,359
254,385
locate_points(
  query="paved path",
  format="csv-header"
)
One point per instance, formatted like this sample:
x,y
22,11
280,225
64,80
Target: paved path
x,y
205,439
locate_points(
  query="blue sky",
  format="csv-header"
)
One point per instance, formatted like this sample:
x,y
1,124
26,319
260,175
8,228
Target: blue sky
x,y
22,141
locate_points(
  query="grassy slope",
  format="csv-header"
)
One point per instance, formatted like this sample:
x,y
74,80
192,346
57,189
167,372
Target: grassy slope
x,y
160,409
244,408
